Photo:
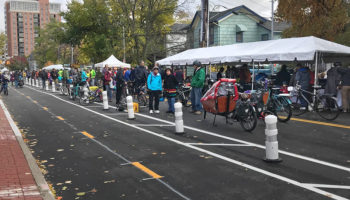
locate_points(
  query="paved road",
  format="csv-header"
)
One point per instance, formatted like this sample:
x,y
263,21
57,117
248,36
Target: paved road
x,y
88,153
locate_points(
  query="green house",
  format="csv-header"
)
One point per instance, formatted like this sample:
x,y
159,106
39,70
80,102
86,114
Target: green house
x,y
236,25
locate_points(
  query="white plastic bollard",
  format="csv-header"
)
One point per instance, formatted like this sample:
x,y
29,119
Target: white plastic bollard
x,y
105,100
47,85
86,94
179,123
53,87
130,106
271,142
37,83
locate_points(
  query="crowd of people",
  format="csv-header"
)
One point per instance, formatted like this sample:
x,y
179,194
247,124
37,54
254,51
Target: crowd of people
x,y
164,83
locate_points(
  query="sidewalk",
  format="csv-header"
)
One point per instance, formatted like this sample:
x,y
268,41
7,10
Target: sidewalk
x,y
16,180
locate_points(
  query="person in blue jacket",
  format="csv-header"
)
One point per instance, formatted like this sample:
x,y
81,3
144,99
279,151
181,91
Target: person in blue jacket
x,y
154,83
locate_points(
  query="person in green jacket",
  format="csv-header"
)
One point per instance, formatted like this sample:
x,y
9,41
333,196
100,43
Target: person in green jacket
x,y
92,76
197,84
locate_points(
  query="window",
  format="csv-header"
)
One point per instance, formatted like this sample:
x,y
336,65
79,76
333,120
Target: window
x,y
239,37
264,37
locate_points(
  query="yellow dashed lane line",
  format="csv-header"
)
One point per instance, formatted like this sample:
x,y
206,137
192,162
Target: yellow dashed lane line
x,y
320,123
60,118
87,134
146,170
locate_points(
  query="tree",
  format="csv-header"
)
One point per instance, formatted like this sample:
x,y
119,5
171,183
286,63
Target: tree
x,y
18,63
146,22
48,46
3,40
321,18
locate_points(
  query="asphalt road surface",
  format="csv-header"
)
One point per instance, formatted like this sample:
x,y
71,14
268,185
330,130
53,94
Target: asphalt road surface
x,y
89,153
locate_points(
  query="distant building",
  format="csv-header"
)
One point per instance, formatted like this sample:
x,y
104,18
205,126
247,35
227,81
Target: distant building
x,y
236,25
23,18
176,39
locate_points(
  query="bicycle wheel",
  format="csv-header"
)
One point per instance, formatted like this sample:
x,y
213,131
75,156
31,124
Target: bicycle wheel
x,y
296,107
327,107
142,99
247,118
84,101
282,109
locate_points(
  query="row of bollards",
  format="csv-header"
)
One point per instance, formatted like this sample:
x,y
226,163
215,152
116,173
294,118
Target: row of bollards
x,y
271,130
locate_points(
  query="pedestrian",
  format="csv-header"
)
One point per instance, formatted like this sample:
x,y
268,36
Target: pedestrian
x,y
179,75
93,77
283,76
16,77
345,87
302,77
120,83
170,86
107,82
333,80
54,76
220,75
245,77
5,78
43,78
140,76
154,83
197,84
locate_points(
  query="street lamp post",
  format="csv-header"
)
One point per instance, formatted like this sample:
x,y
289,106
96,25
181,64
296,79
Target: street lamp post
x,y
272,20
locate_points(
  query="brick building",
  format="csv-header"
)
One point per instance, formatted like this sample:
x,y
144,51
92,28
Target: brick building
x,y
23,18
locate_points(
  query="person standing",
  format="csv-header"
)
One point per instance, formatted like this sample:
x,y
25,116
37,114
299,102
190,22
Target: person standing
x,y
43,78
154,83
140,76
345,87
197,84
333,80
170,86
283,76
107,82
220,75
179,75
93,77
120,82
303,78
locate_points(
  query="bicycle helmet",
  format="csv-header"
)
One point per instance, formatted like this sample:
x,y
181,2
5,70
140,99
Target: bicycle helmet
x,y
197,63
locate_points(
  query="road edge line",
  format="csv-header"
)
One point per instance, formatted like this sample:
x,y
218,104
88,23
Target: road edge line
x,y
42,185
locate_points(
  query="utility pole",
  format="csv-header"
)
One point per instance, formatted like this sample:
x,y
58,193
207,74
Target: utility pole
x,y
204,23
272,19
72,57
124,59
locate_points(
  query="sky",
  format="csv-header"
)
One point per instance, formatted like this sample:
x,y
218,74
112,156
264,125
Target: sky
x,y
262,7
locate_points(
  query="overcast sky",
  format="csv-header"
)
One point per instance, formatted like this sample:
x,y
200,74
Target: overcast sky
x,y
262,7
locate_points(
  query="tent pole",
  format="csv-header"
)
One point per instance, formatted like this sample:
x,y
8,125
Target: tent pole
x,y
253,79
316,72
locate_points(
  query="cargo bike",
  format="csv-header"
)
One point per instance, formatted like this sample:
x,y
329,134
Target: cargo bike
x,y
224,99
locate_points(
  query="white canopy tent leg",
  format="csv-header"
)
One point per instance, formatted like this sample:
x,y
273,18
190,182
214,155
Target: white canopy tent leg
x,y
316,72
253,78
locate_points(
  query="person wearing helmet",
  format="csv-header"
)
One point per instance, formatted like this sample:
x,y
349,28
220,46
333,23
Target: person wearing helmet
x,y
197,84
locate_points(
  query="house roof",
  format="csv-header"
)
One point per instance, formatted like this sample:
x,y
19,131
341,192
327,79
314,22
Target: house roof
x,y
178,27
277,26
217,16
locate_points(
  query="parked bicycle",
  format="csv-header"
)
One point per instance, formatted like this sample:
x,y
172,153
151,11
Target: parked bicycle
x,y
183,94
141,95
324,105
94,94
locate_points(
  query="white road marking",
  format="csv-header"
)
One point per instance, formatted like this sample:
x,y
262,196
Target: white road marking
x,y
236,162
10,120
220,144
153,125
345,187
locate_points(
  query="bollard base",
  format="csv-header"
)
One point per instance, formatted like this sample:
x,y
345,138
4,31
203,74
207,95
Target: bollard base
x,y
179,133
131,118
273,161
105,109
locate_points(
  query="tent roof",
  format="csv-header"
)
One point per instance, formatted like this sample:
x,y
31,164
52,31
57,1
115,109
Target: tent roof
x,y
282,50
112,61
50,67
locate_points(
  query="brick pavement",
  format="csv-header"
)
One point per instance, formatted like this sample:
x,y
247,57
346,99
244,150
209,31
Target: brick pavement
x,y
16,180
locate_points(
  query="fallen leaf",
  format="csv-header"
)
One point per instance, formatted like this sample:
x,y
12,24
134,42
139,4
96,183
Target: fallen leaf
x,y
52,158
81,193
64,188
59,184
59,150
163,153
99,157
154,153
106,172
44,161
68,182
93,190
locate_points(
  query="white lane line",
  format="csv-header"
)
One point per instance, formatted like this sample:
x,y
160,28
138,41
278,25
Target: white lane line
x,y
111,114
153,125
236,162
220,144
345,187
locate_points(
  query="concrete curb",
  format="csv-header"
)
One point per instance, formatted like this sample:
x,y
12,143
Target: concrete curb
x,y
43,187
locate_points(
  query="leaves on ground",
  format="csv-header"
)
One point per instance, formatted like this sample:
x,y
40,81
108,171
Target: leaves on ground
x,y
59,150
81,193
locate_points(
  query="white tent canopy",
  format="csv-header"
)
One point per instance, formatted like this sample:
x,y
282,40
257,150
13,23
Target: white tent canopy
x,y
51,67
4,70
112,62
282,50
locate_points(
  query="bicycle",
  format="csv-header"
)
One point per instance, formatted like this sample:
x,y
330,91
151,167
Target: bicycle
x,y
324,105
183,93
94,94
75,91
270,100
142,96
